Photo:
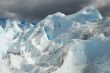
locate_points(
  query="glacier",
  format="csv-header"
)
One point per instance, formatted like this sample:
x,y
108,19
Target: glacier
x,y
76,43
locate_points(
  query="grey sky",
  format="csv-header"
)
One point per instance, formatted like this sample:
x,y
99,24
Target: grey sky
x,y
38,9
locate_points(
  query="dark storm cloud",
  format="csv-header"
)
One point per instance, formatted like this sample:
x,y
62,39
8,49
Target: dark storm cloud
x,y
38,9
103,6
41,8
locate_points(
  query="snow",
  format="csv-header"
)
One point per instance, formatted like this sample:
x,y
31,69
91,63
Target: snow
x,y
5,39
76,43
3,67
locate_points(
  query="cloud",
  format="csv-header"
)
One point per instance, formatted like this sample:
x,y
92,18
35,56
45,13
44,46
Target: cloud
x,y
100,3
38,9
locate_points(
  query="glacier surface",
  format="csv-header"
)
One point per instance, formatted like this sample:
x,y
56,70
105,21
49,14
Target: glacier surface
x,y
76,43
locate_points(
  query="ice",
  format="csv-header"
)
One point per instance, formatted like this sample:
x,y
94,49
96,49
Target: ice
x,y
57,26
76,43
61,28
89,56
90,14
5,39
3,67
